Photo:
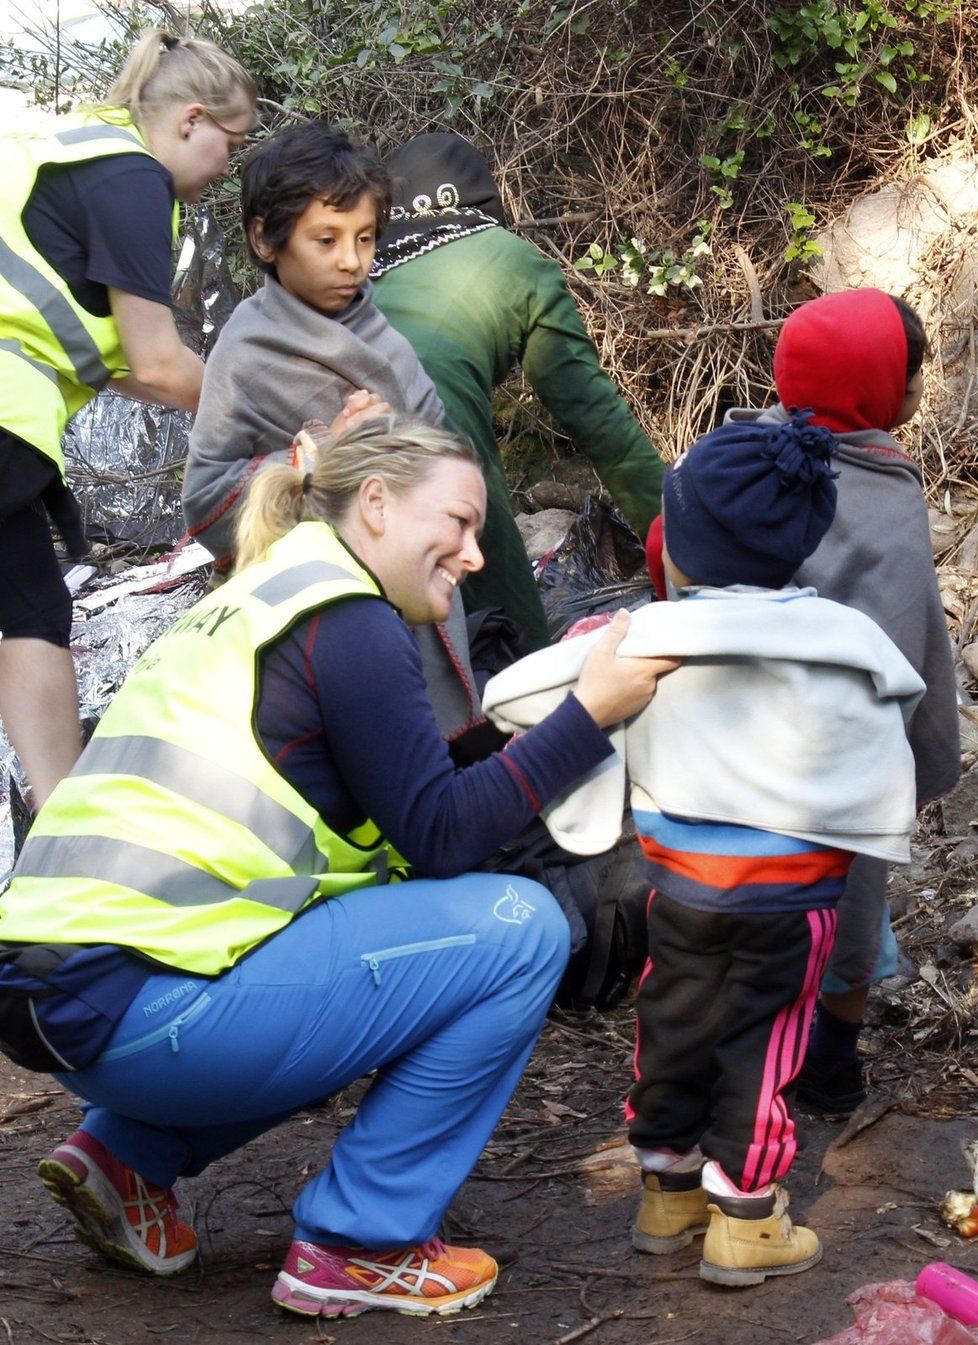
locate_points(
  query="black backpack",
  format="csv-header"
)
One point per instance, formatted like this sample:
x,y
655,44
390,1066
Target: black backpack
x,y
604,898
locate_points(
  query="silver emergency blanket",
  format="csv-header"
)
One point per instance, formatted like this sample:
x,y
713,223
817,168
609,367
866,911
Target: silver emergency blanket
x,y
115,619
124,457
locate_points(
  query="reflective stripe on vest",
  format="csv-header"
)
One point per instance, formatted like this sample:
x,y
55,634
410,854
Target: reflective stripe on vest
x,y
58,314
284,587
84,135
211,785
175,834
170,880
15,349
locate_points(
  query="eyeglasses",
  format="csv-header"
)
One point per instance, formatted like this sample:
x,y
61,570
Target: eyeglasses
x,y
239,136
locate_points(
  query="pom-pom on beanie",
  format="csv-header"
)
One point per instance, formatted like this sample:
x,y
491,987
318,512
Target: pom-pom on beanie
x,y
747,503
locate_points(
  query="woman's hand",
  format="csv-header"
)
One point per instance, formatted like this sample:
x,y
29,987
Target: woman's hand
x,y
612,688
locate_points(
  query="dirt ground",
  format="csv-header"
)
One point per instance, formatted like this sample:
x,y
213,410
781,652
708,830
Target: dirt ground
x,y
554,1194
552,1198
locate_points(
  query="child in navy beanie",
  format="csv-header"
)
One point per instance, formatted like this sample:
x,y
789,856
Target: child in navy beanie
x,y
748,503
771,757
772,693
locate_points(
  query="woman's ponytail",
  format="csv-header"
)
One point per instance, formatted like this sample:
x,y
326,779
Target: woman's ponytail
x,y
163,68
328,471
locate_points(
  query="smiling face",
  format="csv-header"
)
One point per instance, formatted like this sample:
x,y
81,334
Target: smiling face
x,y
422,542
328,254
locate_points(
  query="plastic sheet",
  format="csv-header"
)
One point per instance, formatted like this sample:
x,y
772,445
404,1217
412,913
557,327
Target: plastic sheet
x,y
106,645
598,567
892,1313
124,457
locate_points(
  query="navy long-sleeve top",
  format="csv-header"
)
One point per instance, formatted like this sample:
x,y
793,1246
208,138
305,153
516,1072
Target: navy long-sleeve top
x,y
343,713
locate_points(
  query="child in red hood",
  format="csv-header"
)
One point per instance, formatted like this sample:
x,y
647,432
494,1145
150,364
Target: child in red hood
x,y
855,358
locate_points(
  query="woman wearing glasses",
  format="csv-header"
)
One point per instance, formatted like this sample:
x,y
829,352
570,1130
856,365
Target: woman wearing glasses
x,y
87,221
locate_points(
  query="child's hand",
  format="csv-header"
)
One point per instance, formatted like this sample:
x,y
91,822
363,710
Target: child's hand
x,y
359,406
612,688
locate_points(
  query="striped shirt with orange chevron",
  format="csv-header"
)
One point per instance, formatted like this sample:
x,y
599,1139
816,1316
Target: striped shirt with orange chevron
x,y
722,867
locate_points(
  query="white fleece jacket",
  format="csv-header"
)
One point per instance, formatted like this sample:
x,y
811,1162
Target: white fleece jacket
x,y
787,715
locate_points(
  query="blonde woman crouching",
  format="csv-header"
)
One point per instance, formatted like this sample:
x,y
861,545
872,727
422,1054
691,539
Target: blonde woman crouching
x,y
264,856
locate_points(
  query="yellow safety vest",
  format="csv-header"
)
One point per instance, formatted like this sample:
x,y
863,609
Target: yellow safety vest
x,y
175,835
54,354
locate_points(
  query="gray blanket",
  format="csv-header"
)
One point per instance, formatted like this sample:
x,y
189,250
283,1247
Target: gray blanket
x,y
877,557
277,363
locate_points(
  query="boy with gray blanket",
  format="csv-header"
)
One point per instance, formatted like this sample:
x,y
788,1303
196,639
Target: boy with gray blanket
x,y
311,347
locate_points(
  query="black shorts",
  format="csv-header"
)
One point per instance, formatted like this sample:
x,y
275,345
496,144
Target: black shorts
x,y
34,601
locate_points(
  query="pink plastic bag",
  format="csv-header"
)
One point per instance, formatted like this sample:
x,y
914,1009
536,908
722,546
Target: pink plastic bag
x,y
893,1314
585,624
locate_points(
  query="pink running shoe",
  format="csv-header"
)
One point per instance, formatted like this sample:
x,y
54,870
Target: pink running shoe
x,y
117,1212
345,1281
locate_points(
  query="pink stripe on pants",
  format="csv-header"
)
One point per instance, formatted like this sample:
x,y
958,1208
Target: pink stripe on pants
x,y
773,1149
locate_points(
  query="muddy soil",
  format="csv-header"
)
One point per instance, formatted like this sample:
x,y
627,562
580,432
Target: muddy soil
x,y
552,1198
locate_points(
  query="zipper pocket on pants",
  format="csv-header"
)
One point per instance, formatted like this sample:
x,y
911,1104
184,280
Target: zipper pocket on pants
x,y
372,961
171,1030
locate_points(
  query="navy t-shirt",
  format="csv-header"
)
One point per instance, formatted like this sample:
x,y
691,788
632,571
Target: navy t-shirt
x,y
105,222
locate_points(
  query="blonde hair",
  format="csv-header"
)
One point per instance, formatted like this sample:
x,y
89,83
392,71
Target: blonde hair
x,y
331,469
164,69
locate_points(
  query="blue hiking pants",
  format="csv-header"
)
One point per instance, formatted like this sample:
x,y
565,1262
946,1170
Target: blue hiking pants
x,y
441,986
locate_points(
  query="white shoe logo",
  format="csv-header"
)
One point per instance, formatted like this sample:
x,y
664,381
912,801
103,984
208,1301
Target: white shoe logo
x,y
512,909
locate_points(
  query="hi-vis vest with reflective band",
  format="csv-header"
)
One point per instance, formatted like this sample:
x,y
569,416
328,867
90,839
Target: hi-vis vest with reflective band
x,y
54,354
174,834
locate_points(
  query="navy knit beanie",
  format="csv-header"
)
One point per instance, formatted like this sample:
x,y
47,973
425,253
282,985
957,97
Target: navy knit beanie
x,y
747,503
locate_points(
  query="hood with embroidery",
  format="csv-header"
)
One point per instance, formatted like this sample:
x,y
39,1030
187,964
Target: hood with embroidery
x,y
442,190
844,356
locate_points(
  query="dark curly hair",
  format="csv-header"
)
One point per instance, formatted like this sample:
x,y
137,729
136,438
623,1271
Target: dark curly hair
x,y
311,162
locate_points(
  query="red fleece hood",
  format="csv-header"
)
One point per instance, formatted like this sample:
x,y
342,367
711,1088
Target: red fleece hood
x,y
845,357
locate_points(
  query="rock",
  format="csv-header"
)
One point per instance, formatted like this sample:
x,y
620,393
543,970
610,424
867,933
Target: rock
x,y
966,852
576,470
884,238
969,657
967,716
557,495
966,557
943,531
901,903
964,932
960,808
542,532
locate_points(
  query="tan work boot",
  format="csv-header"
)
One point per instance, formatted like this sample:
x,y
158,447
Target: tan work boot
x,y
752,1237
672,1212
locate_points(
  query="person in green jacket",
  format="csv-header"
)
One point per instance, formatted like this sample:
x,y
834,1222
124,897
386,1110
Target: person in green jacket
x,y
474,309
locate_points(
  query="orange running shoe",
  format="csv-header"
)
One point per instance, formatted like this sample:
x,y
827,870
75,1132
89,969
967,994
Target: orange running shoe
x,y
345,1281
117,1212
